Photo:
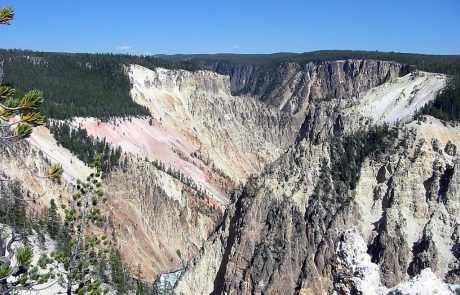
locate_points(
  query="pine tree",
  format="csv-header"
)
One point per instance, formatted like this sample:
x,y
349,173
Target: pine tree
x,y
53,220
87,246
18,117
102,270
118,272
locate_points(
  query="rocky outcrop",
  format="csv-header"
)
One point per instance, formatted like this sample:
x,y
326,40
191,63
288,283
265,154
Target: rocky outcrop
x,y
240,74
286,225
289,86
285,237
354,273
1,71
308,132
160,223
424,283
390,103
451,149
304,90
199,106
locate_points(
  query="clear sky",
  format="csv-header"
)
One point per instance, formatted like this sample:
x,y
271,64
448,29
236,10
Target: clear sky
x,y
210,26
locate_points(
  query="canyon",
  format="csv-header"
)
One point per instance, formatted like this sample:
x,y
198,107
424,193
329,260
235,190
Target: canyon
x,y
287,196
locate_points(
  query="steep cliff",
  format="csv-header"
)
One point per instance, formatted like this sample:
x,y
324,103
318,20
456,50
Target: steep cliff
x,y
311,145
239,74
157,221
198,128
1,72
355,273
288,86
396,186
200,107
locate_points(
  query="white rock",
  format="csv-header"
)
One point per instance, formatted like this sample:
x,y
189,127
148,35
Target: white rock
x,y
356,269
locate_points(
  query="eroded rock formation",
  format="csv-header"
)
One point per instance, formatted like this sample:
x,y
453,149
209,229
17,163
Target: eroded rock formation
x,y
313,137
281,233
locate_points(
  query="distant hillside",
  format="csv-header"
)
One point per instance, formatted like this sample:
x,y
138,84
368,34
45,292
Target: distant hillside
x,y
96,85
435,63
447,104
227,57
448,64
260,68
87,85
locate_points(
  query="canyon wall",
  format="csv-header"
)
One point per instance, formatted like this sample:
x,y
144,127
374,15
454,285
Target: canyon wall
x,y
282,232
285,170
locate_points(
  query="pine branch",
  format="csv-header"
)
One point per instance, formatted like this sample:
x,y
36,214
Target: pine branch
x,y
6,15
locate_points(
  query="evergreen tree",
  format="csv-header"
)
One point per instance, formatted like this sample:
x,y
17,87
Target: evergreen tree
x,y
118,274
53,220
87,245
18,117
86,147
102,270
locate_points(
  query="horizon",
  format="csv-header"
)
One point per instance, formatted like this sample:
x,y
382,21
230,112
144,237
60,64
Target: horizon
x,y
159,55
230,147
259,27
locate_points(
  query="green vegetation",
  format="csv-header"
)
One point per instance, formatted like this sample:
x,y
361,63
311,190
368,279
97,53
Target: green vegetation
x,y
18,117
446,106
13,210
347,154
80,240
22,114
424,62
177,174
209,59
87,245
16,223
111,270
52,219
119,273
84,146
432,63
86,85
96,84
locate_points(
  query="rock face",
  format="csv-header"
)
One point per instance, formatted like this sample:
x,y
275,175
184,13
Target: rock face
x,y
451,149
1,72
200,107
281,233
354,273
239,74
424,283
312,134
289,86
160,223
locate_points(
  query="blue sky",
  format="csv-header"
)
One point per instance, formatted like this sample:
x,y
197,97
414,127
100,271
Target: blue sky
x,y
205,26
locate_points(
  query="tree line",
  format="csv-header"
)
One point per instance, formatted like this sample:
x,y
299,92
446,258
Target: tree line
x,y
85,85
80,232
96,85
85,147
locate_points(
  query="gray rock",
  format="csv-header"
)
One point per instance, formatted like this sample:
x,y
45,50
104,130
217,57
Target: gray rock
x,y
451,149
285,226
